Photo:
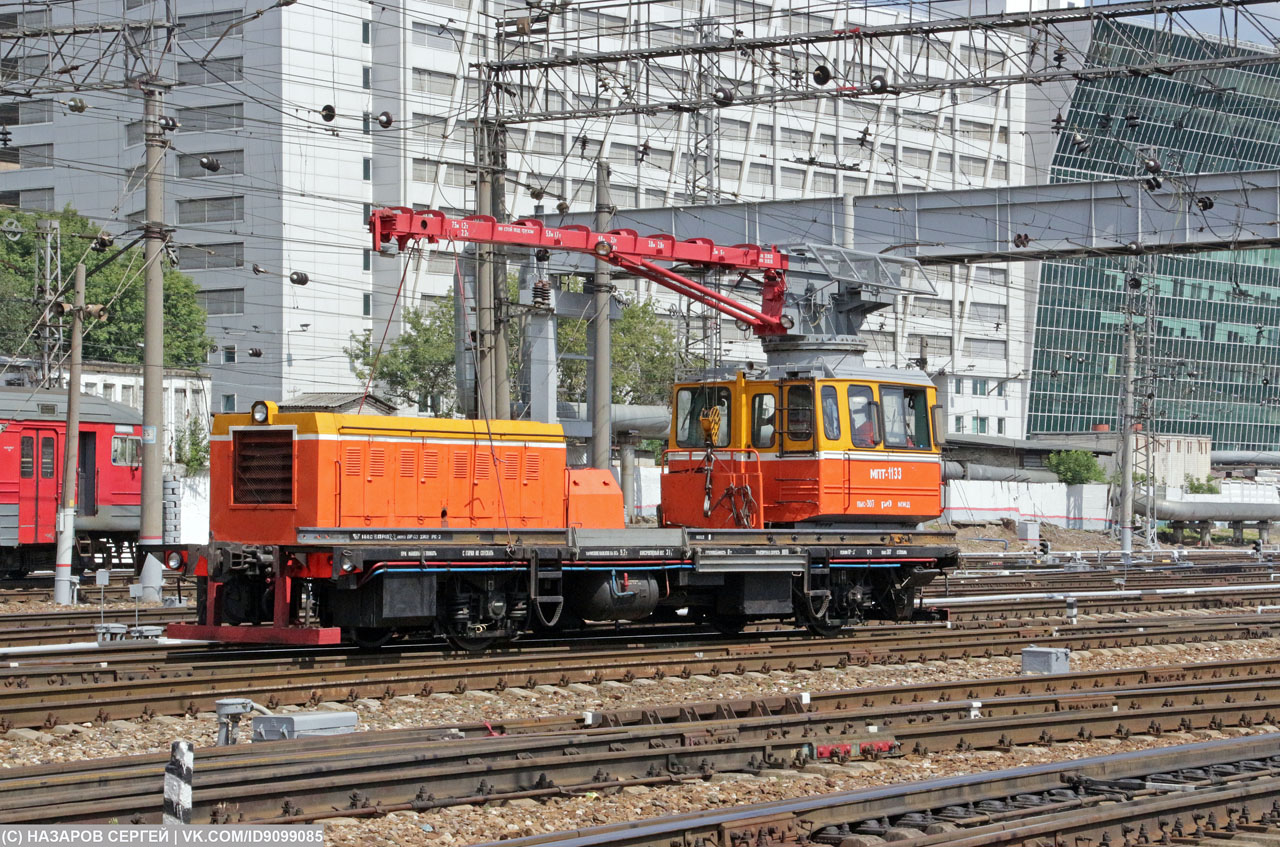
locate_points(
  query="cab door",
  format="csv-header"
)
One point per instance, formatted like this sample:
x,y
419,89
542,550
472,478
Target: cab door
x,y
37,485
798,420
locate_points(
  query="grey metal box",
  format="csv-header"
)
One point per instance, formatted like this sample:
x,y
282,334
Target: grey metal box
x,y
1046,660
302,725
1028,531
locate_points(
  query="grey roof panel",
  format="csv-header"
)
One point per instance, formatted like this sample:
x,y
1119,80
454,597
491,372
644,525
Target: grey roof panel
x,y
51,404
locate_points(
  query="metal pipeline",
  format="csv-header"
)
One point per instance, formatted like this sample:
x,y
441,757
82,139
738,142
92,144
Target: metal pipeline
x,y
1244,457
994,473
1200,510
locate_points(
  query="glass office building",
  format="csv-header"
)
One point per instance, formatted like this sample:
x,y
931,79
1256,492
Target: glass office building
x,y
1209,362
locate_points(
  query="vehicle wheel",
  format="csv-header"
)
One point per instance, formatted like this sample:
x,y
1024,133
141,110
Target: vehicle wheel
x,y
473,643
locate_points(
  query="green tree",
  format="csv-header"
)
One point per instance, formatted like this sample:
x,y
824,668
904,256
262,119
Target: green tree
x,y
1205,486
645,356
118,285
418,365
192,447
1075,467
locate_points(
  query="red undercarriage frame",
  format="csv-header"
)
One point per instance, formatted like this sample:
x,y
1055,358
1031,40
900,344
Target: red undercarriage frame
x,y
280,631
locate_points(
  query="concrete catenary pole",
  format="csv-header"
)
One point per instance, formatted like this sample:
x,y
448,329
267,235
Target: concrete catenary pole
x,y
63,581
601,377
152,529
485,389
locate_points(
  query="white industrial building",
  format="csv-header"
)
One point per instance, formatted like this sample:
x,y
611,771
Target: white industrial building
x,y
293,190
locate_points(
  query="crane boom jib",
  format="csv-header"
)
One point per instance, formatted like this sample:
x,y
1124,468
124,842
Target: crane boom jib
x,y
623,248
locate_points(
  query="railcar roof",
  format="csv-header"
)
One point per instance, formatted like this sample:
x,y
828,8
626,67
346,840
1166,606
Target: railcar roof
x,y
23,403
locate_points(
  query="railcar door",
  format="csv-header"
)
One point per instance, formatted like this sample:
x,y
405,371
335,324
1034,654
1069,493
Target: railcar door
x,y
87,497
37,485
797,417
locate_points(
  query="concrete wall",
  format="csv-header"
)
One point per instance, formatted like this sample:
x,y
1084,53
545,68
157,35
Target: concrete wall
x,y
186,509
1070,506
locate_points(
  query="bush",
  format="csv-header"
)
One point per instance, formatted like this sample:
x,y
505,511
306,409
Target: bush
x,y
1196,486
1075,467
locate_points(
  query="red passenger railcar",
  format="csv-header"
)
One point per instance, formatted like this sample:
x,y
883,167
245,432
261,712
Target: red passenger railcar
x,y
32,438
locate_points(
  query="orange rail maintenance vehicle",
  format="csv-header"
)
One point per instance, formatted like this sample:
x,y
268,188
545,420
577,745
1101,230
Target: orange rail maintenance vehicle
x,y
795,491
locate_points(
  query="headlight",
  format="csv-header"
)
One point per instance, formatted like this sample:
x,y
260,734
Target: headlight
x,y
259,411
173,561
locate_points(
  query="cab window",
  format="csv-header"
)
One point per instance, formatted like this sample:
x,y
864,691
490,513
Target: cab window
x,y
862,424
800,412
906,417
830,413
690,404
764,425
126,450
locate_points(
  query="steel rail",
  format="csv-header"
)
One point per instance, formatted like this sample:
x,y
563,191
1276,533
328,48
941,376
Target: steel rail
x,y
382,772
932,799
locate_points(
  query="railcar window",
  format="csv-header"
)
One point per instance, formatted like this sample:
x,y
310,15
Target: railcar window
x,y
764,425
28,457
861,423
830,413
690,404
800,412
906,418
126,450
46,458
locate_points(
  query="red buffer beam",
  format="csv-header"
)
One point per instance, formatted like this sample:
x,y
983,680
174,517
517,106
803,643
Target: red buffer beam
x,y
623,248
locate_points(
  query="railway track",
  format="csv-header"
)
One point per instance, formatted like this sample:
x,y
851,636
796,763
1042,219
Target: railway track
x,y
1209,793
374,773
43,695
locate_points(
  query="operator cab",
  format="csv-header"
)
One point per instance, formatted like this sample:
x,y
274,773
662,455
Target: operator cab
x,y
752,453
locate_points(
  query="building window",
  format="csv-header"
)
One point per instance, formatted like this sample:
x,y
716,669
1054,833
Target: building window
x,y
211,71
366,125
368,304
203,257
228,402
959,385
210,210
229,162
37,199
368,168
221,301
366,32
959,423
229,355
1000,388
368,259
126,395
366,78
211,25
999,426
979,426
35,156
212,118
984,348
980,387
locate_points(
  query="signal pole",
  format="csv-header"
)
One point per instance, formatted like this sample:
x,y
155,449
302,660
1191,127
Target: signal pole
x,y
63,581
154,235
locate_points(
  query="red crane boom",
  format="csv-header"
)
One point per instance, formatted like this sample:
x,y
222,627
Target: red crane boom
x,y
623,248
